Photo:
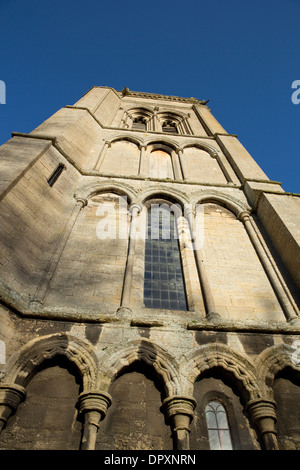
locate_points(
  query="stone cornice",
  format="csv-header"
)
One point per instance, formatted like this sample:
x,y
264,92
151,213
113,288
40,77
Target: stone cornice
x,y
154,96
23,308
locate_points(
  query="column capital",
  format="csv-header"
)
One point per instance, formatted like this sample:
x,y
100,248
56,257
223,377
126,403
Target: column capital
x,y
94,400
261,408
179,405
263,415
135,208
93,406
243,216
11,395
81,200
190,209
179,150
180,412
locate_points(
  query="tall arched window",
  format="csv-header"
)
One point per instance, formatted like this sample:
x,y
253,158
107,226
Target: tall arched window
x,y
164,282
217,426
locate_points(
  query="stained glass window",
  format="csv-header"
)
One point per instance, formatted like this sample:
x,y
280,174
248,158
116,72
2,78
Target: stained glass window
x,y
164,283
217,426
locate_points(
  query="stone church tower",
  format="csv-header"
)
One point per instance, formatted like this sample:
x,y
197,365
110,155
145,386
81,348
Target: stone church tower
x,y
149,283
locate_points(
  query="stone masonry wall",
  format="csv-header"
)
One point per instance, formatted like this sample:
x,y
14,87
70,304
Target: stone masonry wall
x,y
79,351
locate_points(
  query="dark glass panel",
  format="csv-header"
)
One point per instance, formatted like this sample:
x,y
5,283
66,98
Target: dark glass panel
x,y
164,283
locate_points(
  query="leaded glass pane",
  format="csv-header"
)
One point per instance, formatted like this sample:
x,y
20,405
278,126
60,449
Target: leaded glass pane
x,y
214,441
217,426
225,440
211,419
222,419
164,283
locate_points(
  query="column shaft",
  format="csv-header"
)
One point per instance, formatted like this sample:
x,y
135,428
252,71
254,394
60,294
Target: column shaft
x,y
180,412
263,415
199,256
142,160
267,265
93,405
102,155
56,255
181,163
126,294
176,166
193,288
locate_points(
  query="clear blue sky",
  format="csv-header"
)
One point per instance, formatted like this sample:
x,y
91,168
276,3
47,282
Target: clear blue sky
x,y
241,55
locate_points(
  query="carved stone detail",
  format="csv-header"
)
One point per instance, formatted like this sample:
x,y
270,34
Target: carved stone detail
x,y
11,395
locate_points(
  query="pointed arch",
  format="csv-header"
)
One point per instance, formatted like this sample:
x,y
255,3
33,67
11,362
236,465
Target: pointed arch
x,y
220,356
116,360
146,110
143,108
26,362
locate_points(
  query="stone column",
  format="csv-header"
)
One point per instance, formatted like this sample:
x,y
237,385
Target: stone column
x,y
263,416
126,294
180,412
176,166
180,159
156,121
102,155
93,405
279,290
187,124
223,168
142,164
124,121
192,285
208,299
40,293
10,398
211,313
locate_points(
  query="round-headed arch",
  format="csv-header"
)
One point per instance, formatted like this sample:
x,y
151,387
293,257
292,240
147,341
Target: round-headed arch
x,y
213,152
165,144
172,195
217,197
94,188
274,360
219,356
117,359
28,360
127,138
